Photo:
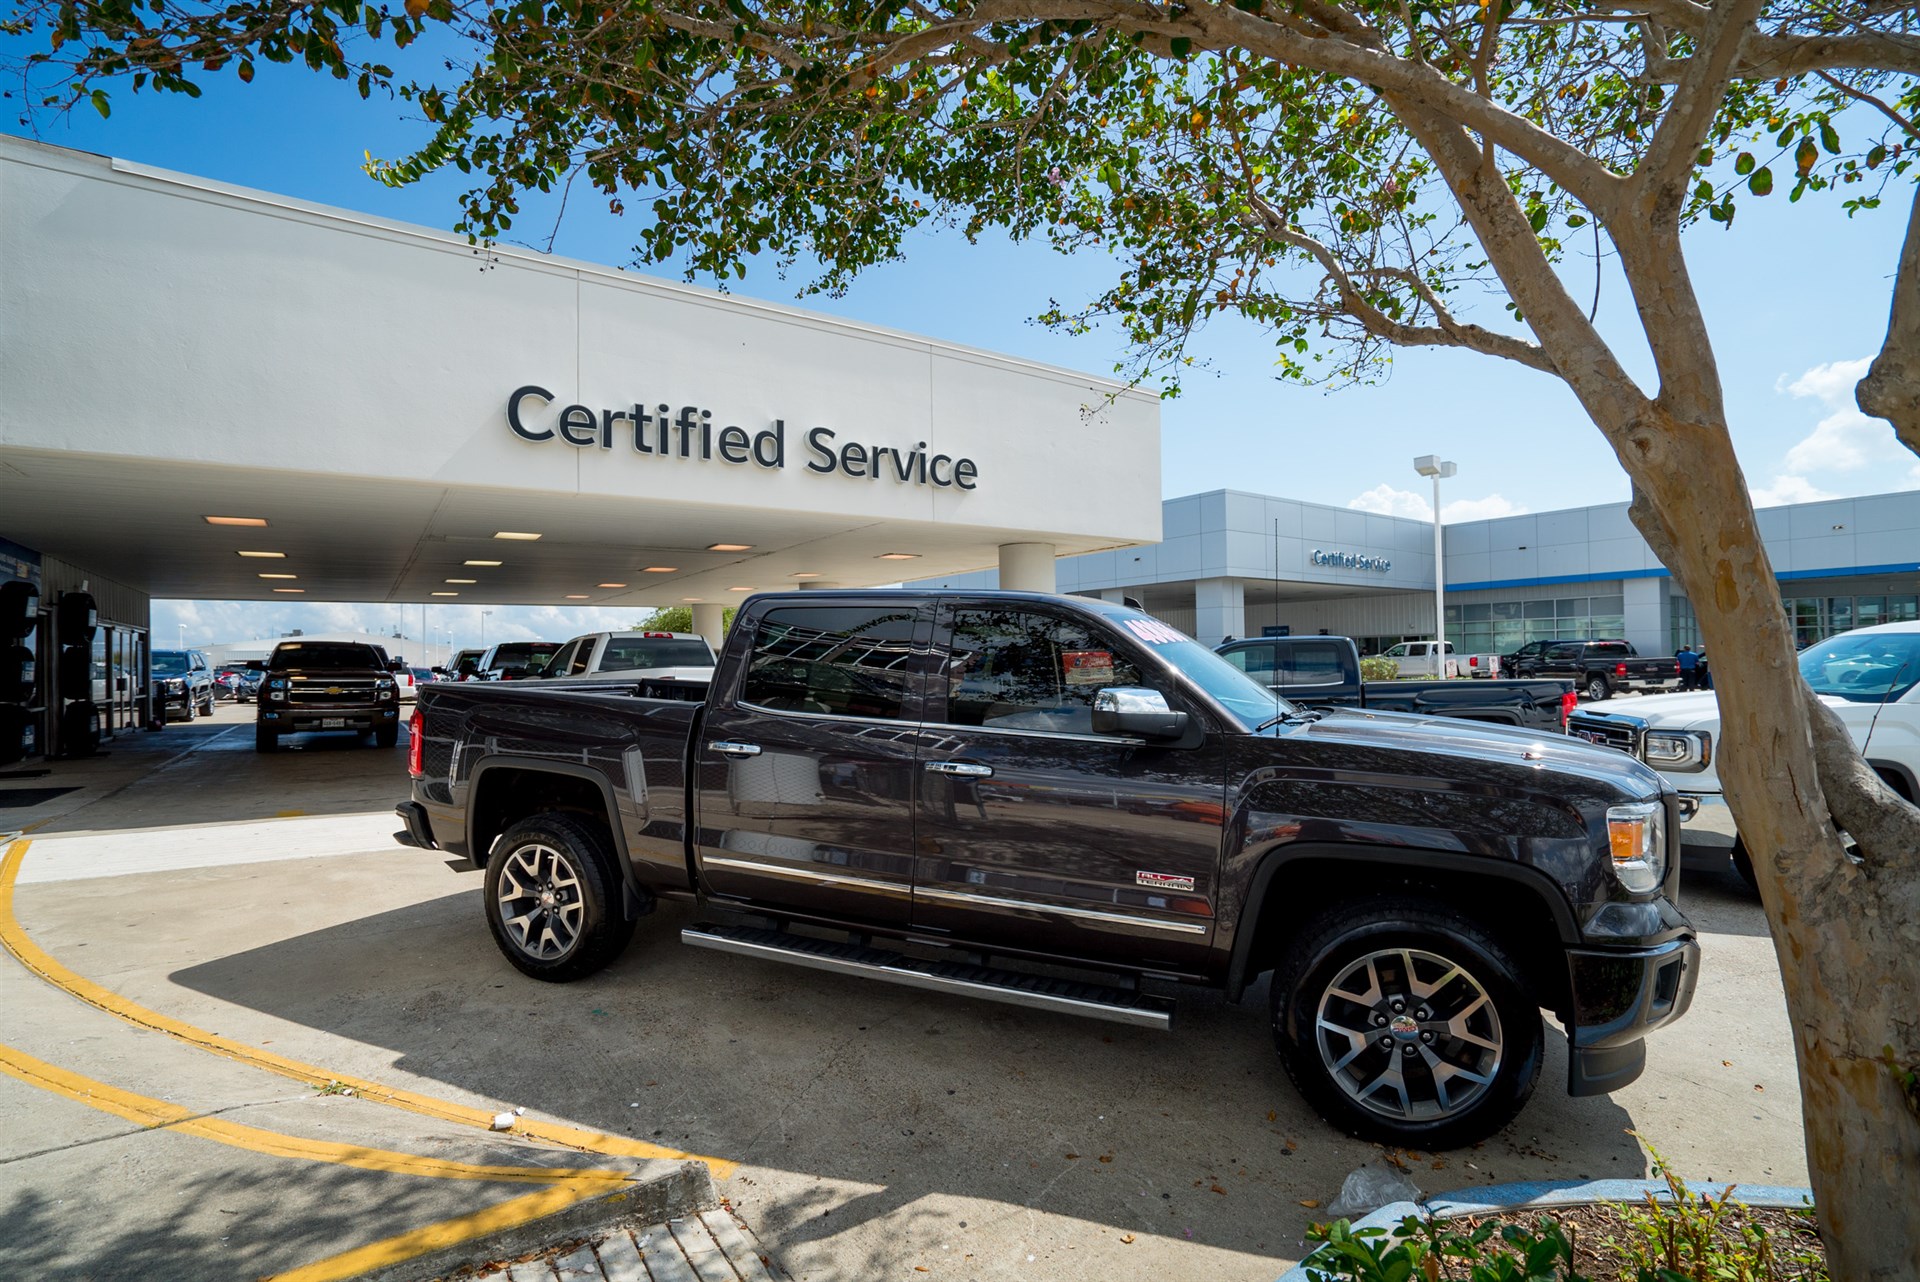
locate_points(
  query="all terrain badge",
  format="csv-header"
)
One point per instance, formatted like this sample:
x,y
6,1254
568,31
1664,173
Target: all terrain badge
x,y
1162,881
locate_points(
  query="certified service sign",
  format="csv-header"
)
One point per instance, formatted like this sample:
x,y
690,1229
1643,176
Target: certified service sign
x,y
1351,561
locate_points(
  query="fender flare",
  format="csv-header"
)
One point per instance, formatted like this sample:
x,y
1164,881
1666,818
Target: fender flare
x,y
1412,859
635,899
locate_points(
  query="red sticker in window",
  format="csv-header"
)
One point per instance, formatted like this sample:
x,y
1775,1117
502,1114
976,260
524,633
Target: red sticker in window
x,y
1087,667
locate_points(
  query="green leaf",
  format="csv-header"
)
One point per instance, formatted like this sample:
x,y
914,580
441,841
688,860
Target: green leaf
x,y
1181,46
1762,181
100,103
1876,157
1829,138
1743,163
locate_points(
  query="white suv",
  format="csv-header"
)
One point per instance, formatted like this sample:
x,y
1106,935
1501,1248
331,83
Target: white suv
x,y
1870,676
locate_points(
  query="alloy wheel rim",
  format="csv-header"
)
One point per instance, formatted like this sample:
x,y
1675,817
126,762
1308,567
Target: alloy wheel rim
x,y
1409,1035
540,901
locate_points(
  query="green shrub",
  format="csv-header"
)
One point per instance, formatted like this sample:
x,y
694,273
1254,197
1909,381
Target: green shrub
x,y
1378,667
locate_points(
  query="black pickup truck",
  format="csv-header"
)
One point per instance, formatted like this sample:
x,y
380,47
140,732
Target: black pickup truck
x,y
1600,669
1324,672
1067,804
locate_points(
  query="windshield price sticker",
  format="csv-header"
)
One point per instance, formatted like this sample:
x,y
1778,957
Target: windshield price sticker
x,y
1153,632
1087,667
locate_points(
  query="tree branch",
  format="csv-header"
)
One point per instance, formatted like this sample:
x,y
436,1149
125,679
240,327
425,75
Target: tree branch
x,y
1891,389
1669,160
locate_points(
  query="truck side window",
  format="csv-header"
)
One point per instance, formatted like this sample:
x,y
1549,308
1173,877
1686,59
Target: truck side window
x,y
850,661
1313,663
1027,670
582,658
1254,660
558,668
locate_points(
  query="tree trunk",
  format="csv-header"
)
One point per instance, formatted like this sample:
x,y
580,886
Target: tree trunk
x,y
1891,389
1846,932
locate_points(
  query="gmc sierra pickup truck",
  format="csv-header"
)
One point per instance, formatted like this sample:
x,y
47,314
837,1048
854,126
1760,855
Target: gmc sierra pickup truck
x,y
1324,672
1603,669
1067,804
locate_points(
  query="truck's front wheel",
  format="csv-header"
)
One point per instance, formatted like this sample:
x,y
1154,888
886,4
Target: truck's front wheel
x,y
550,899
1598,688
1406,1024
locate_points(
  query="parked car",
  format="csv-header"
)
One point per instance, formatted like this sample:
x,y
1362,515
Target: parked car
x,y
182,684
515,660
966,791
1869,676
1522,662
236,682
326,685
1422,658
1603,669
1324,672
660,665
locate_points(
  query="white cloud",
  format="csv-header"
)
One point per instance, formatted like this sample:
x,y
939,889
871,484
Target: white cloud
x,y
1845,440
1832,382
1387,501
1789,489
217,622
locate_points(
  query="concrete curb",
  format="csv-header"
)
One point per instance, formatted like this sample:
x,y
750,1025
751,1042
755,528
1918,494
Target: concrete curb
x,y
685,1189
1499,1199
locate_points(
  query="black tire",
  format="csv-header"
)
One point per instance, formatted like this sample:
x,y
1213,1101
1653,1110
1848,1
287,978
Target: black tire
x,y
1494,1045
206,709
386,736
264,739
1598,688
188,715
1743,865
561,871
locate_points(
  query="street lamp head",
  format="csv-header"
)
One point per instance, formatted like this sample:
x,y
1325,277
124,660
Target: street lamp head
x,y
1433,465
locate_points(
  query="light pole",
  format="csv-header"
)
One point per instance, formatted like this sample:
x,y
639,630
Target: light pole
x,y
1436,467
483,628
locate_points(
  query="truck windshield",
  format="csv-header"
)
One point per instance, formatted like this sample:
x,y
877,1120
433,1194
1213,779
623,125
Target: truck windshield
x,y
169,663
326,658
1863,667
1239,695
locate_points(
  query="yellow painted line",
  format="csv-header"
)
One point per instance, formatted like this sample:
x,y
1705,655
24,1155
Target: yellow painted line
x,y
288,814
156,1114
36,959
394,1250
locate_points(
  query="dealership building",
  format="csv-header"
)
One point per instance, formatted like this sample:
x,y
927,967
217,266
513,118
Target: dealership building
x,y
214,393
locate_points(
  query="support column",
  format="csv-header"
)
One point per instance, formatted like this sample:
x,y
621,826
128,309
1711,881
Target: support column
x,y
1027,567
1649,613
1219,610
706,621
1116,595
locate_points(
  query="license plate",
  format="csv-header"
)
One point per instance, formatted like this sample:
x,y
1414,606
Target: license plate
x,y
333,723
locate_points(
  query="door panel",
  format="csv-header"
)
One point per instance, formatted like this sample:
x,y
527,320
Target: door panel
x,y
806,768
1036,834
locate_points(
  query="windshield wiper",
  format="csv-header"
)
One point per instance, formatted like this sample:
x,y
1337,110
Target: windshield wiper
x,y
1299,716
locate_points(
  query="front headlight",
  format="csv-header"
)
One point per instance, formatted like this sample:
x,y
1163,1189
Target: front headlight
x,y
1683,750
383,689
1637,836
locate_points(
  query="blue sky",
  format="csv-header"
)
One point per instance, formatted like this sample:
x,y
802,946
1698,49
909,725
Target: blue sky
x,y
1796,298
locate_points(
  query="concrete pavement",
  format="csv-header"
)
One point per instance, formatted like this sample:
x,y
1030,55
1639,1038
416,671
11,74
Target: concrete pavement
x,y
879,1132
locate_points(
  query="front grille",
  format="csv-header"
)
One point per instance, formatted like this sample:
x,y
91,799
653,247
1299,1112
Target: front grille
x,y
338,694
1608,731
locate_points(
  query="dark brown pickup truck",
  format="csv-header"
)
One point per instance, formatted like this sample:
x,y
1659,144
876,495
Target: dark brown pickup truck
x,y
1067,804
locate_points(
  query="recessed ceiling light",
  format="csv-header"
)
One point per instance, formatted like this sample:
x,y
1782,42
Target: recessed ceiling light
x,y
446,594
577,596
660,569
289,589
234,520
898,556
694,599
609,585
278,556
729,547
463,580
804,574
515,534
483,563
739,589
279,576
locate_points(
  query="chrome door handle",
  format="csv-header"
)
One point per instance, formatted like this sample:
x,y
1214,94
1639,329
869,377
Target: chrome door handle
x,y
728,749
964,769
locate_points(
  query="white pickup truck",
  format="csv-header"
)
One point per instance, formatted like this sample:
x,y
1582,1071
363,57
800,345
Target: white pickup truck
x,y
1870,676
661,665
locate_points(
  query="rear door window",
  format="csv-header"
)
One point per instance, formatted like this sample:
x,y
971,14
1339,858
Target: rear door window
x,y
1030,670
1312,663
848,661
1254,660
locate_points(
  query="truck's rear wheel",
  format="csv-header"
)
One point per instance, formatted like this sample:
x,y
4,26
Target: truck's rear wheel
x,y
1598,688
550,899
1406,1024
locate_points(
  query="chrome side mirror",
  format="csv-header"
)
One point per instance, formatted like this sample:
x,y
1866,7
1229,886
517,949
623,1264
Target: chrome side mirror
x,y
1136,710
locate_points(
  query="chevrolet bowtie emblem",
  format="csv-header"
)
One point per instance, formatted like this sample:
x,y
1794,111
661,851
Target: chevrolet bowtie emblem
x,y
333,689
